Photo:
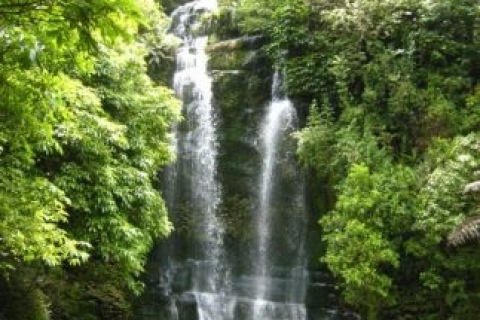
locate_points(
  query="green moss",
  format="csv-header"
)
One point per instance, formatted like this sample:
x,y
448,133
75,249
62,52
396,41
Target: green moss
x,y
241,73
235,212
227,60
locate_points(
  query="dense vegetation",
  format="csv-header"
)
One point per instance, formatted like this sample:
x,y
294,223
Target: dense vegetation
x,y
393,133
83,133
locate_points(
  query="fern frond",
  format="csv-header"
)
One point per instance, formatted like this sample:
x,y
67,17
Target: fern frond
x,y
468,230
472,187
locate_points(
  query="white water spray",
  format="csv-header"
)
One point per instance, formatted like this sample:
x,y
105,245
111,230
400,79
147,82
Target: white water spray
x,y
267,294
280,121
198,150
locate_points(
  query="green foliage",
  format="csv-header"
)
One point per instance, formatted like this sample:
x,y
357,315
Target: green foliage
x,y
27,305
443,204
316,142
398,86
251,17
330,147
364,233
84,132
394,217
358,269
31,210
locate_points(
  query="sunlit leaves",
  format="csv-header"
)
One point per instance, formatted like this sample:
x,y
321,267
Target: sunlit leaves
x,y
114,141
395,84
130,96
30,210
363,252
364,232
84,131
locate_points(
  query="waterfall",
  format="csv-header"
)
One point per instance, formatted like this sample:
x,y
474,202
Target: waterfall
x,y
278,164
278,120
197,153
263,275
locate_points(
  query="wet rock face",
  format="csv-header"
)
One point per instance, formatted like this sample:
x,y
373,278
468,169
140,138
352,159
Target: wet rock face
x,y
241,88
241,82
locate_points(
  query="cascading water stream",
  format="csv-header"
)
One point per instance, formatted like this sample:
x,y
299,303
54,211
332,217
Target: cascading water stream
x,y
263,277
279,117
197,149
280,121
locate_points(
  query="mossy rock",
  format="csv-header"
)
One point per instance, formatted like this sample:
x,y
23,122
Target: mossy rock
x,y
170,5
161,71
220,61
241,110
246,43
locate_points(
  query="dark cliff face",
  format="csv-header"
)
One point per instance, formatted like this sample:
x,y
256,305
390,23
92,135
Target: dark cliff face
x,y
242,78
242,81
